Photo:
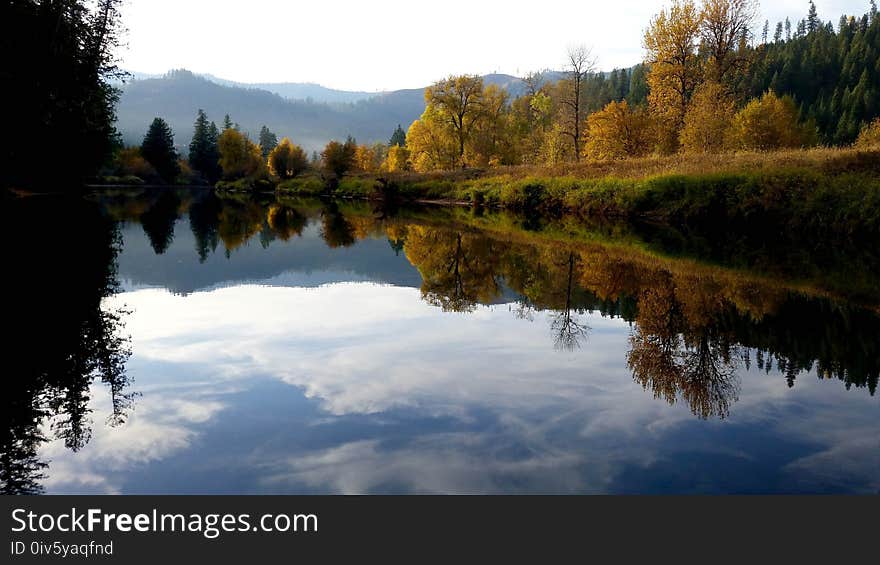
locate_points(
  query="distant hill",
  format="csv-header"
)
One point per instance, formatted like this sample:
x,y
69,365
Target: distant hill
x,y
301,91
178,95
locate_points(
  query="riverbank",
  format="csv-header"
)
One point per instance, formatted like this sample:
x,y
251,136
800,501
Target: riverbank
x,y
829,191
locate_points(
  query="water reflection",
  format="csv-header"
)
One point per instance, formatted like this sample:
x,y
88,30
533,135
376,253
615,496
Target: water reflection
x,y
61,341
582,321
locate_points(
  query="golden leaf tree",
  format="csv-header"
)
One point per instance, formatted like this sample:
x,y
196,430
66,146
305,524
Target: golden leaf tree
x,y
431,143
459,100
397,159
724,27
708,121
675,70
617,131
239,156
287,160
771,122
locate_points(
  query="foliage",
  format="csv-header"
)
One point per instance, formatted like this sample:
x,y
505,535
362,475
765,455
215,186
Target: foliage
x,y
869,137
158,149
617,132
58,67
287,160
398,137
204,155
268,141
675,68
397,160
239,156
338,158
458,101
771,122
708,121
130,162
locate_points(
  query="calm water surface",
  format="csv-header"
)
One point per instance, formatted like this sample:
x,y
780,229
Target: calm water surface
x,y
186,344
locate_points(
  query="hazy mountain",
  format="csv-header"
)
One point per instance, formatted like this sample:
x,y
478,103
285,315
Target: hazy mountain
x,y
301,90
178,95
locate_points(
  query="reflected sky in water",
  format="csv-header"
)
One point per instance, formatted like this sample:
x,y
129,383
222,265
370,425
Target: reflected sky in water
x,y
295,367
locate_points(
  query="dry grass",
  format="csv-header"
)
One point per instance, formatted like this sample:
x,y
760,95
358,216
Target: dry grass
x,y
822,159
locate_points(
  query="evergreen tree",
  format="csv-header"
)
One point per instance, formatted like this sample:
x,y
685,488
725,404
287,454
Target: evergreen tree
x,y
268,141
158,149
58,68
398,138
777,37
203,153
227,123
813,22
787,29
766,33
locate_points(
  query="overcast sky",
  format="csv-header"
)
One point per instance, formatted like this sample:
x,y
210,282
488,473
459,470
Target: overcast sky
x,y
391,44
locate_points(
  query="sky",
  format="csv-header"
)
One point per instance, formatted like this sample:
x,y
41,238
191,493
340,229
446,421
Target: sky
x,y
393,44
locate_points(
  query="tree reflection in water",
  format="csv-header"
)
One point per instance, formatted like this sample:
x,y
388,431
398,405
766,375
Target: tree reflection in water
x,y
64,340
693,326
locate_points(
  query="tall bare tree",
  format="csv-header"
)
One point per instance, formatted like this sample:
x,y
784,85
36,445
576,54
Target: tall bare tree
x,y
579,65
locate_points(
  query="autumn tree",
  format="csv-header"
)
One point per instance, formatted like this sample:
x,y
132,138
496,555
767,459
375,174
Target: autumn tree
x,y
492,141
430,142
771,122
365,159
579,65
459,102
268,141
397,159
869,137
287,159
708,121
675,70
338,158
158,149
239,156
723,24
618,131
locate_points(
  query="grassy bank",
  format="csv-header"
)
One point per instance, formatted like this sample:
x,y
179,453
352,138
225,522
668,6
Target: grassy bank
x,y
835,191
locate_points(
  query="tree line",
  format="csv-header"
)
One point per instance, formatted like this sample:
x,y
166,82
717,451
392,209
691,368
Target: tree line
x,y
708,84
229,155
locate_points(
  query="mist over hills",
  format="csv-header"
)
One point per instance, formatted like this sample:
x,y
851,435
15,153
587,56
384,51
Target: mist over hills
x,y
309,114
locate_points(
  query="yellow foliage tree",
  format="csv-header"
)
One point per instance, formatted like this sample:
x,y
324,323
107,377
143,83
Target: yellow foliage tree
x,y
675,69
771,122
617,131
239,156
287,159
459,100
397,159
869,137
492,141
431,143
365,159
724,23
708,121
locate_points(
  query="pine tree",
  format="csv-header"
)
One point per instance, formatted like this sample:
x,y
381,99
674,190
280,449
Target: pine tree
x,y
766,33
227,123
398,138
158,149
203,153
777,37
268,141
813,22
787,29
